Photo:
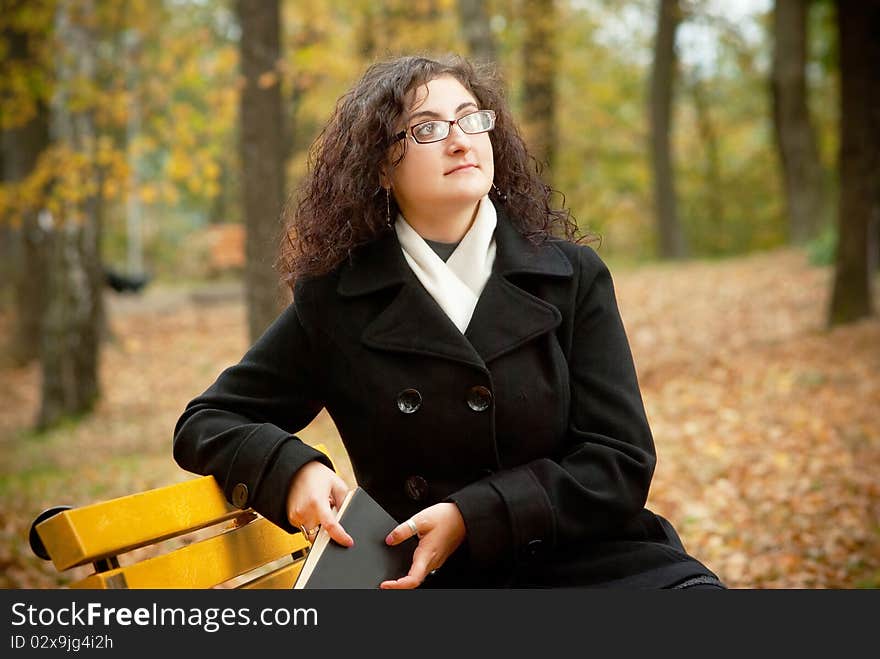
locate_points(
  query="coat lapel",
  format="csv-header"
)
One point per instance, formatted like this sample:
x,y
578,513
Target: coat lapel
x,y
413,322
505,317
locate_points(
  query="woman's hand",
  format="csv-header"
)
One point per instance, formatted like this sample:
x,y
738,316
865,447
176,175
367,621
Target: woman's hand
x,y
440,529
315,494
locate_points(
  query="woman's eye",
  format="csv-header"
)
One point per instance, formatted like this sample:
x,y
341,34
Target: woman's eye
x,y
425,130
469,123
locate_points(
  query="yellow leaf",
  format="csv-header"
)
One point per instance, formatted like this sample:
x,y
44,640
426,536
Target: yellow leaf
x,y
782,460
111,189
148,193
211,170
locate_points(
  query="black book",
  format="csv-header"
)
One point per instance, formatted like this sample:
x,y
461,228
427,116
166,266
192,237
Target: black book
x,y
369,561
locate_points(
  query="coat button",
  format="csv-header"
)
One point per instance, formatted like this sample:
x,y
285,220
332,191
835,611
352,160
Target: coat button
x,y
409,400
240,496
416,487
479,398
533,548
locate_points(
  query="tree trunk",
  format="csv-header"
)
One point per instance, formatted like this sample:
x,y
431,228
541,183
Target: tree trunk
x,y
368,31
539,84
859,204
21,147
70,339
670,238
302,83
31,284
134,211
709,136
795,138
261,158
474,21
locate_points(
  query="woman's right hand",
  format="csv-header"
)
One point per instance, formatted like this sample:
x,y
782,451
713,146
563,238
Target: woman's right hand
x,y
315,494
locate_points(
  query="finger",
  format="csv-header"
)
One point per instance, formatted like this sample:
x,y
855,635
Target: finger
x,y
414,579
404,583
305,514
334,528
420,566
309,531
337,493
408,529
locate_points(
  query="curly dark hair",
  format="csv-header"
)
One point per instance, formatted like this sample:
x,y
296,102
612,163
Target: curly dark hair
x,y
342,204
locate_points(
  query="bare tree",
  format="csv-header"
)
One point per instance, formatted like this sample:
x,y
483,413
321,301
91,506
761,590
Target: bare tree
x,y
474,19
369,19
670,238
70,338
795,136
262,157
540,57
859,205
134,211
21,146
709,136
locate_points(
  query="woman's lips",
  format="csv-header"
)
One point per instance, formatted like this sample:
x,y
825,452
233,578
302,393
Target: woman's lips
x,y
461,169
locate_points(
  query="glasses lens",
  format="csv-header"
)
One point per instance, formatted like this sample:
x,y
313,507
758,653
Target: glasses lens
x,y
477,122
434,131
430,131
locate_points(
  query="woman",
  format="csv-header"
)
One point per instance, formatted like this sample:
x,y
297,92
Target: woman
x,y
469,351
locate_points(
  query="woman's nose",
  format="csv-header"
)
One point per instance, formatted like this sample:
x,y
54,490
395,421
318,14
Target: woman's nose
x,y
457,140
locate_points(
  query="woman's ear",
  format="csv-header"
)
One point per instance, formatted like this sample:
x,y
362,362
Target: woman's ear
x,y
392,159
385,170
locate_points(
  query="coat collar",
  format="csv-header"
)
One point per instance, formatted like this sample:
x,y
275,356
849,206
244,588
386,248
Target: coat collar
x,y
505,317
380,264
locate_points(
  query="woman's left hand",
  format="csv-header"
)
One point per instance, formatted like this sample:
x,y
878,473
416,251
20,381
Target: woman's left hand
x,y
440,529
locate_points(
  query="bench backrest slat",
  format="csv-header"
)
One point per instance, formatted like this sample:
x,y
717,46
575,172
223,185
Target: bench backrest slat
x,y
206,563
109,528
281,579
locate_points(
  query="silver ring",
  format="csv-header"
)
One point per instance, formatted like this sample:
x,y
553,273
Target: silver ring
x,y
412,525
309,532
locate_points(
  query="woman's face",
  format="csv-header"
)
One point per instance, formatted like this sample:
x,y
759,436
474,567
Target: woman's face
x,y
449,174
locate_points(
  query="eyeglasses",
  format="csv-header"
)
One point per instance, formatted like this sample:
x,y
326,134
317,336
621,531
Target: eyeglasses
x,y
481,121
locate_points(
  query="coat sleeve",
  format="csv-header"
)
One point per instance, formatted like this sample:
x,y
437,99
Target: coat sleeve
x,y
600,480
241,429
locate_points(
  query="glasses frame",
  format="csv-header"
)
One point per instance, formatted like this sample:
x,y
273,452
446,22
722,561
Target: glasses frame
x,y
410,132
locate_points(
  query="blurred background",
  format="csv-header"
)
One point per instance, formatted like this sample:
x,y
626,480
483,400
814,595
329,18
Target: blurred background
x,y
727,153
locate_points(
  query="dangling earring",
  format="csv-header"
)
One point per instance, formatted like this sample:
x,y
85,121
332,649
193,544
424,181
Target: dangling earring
x,y
387,208
500,194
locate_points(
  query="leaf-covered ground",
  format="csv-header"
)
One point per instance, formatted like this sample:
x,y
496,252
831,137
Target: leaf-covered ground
x,y
767,425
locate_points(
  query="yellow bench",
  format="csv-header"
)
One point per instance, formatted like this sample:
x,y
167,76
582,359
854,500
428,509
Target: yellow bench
x,y
179,536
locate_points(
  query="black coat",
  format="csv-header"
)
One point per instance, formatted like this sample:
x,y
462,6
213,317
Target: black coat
x,y
531,422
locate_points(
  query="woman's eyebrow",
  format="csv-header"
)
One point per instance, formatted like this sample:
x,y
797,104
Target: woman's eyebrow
x,y
431,113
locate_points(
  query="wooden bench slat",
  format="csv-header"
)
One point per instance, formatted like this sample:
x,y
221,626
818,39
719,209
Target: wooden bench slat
x,y
109,528
206,563
281,579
